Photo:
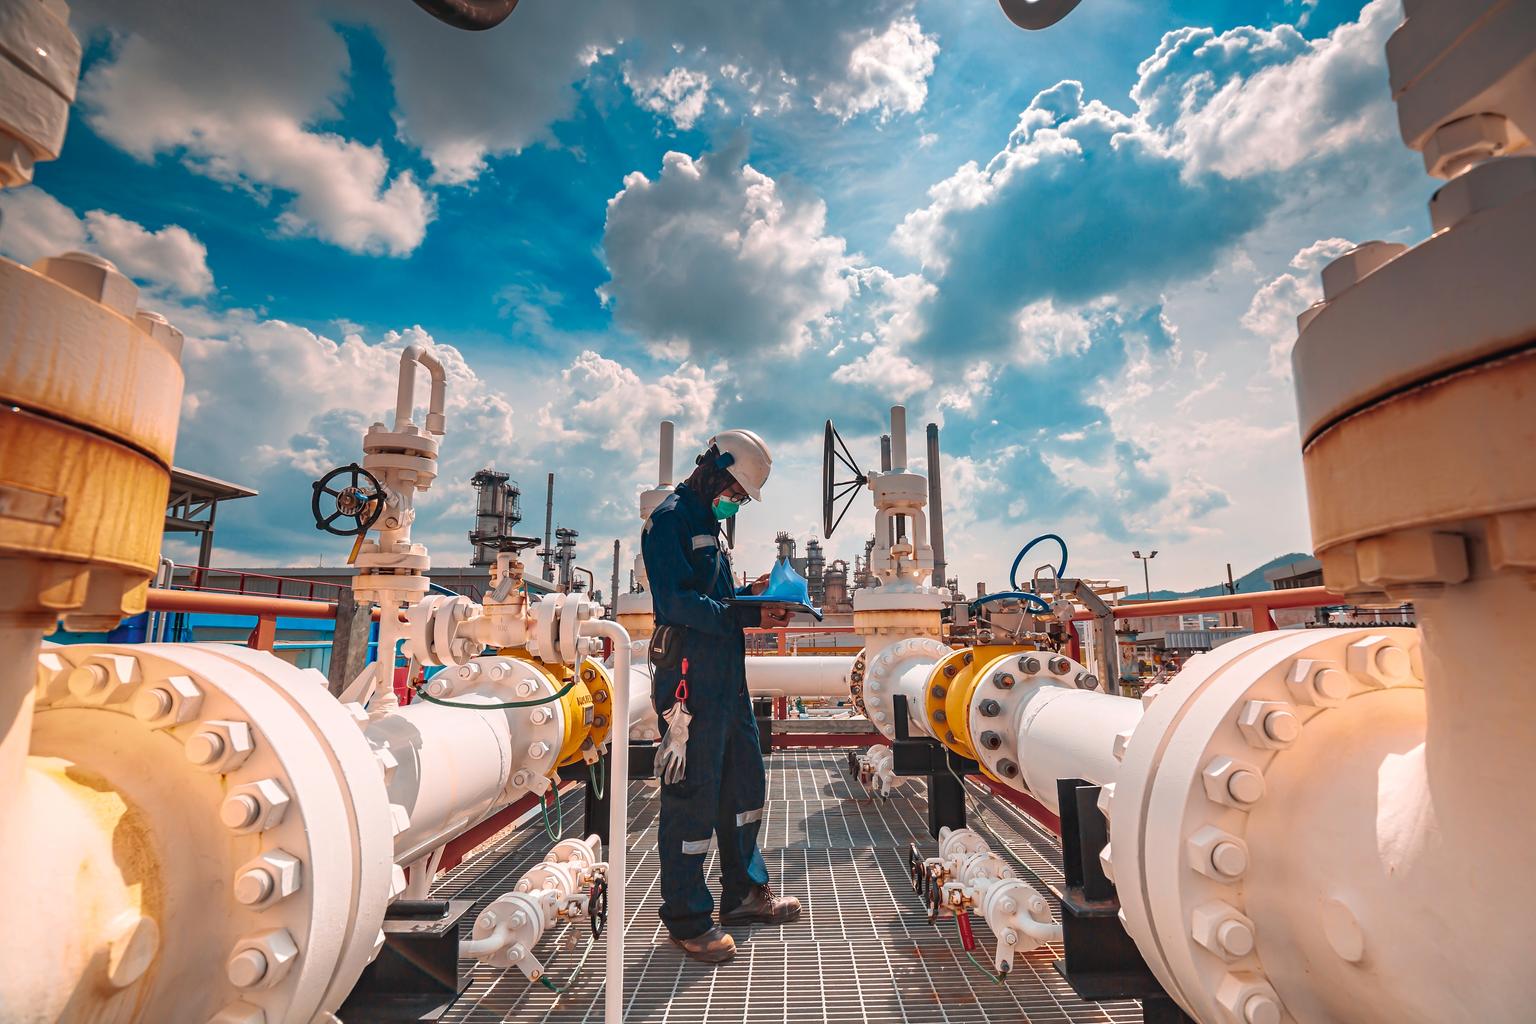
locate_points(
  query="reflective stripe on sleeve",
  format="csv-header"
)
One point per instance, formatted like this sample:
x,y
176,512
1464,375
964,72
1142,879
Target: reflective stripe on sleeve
x,y
704,540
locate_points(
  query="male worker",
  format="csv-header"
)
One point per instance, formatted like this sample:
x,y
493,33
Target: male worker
x,y
720,795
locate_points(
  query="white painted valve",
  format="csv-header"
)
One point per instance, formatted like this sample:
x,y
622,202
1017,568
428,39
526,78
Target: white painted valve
x,y
559,888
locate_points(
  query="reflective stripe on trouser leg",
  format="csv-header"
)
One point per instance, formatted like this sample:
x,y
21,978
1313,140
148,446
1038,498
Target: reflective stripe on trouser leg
x,y
697,847
743,794
686,829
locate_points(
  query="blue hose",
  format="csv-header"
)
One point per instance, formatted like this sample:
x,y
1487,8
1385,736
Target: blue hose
x,y
1013,573
1013,595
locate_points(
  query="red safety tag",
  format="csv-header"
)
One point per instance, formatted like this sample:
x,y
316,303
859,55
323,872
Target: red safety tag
x,y
967,938
681,693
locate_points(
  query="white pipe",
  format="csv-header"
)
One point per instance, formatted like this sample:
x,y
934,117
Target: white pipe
x,y
405,397
798,676
618,818
899,438
664,470
1066,733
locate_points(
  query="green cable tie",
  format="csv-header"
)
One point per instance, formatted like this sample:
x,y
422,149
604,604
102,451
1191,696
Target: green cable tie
x,y
535,702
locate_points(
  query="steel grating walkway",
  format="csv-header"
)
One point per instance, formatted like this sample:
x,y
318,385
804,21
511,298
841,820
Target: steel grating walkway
x,y
863,951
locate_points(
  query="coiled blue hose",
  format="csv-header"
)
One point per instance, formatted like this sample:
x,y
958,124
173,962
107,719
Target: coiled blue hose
x,y
1013,573
1013,595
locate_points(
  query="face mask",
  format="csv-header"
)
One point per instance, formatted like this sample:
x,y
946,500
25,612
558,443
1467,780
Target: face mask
x,y
725,508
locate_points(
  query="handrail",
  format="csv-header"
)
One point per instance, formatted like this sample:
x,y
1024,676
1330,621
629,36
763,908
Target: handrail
x,y
199,573
237,604
1259,602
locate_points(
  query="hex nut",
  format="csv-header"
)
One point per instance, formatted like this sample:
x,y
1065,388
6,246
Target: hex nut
x,y
1318,683
1029,664
1380,661
1217,854
1002,680
220,746
991,740
1058,665
134,942
1355,265
388,762
1268,724
1222,929
937,692
97,279
1007,769
1484,187
1457,145
255,807
105,679
1409,558
1232,782
989,708
275,875
52,678
175,700
159,328
1248,999
262,960
1086,680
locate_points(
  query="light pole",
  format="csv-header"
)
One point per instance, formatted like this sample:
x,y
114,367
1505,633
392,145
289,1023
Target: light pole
x,y
1146,576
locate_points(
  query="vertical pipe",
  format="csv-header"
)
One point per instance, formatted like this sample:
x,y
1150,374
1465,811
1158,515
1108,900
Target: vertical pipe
x,y
935,508
549,522
664,472
618,819
613,594
899,437
885,453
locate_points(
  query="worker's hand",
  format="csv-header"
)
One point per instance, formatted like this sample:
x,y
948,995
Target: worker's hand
x,y
776,616
760,584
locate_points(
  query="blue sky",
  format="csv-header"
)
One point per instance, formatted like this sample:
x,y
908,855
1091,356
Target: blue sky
x,y
1081,251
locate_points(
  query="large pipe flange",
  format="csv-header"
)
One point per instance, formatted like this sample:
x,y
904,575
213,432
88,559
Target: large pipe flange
x,y
902,667
1239,755
246,808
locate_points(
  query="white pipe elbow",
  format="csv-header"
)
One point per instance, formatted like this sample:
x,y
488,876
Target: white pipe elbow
x,y
405,398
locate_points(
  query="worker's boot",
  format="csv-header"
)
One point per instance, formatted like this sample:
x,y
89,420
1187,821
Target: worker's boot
x,y
713,947
764,906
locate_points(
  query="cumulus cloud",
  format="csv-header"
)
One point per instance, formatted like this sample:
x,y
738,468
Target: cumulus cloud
x,y
1253,100
764,58
716,254
234,91
1083,202
37,225
680,93
1272,313
887,72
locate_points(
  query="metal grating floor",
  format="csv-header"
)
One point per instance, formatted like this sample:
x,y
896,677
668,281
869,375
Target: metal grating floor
x,y
862,952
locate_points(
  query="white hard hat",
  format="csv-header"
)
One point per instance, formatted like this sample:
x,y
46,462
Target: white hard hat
x,y
749,459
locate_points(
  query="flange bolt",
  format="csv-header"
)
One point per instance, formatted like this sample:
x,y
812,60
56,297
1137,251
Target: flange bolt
x,y
1029,664
991,740
989,708
1002,680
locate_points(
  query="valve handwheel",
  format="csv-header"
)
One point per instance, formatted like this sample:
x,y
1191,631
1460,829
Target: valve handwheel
x,y
597,907
356,496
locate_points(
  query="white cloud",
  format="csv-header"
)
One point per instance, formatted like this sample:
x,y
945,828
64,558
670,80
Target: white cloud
x,y
37,225
1253,100
887,72
234,90
889,372
1046,333
601,400
716,254
1272,313
680,94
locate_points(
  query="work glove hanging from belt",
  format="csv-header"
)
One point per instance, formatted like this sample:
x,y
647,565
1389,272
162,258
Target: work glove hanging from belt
x,y
672,757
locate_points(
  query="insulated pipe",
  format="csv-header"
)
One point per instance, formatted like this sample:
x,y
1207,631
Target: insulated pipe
x,y
664,470
405,397
885,453
899,438
618,818
935,509
798,676
1065,733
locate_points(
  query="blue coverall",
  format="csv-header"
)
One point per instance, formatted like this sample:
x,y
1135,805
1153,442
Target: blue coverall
x,y
722,792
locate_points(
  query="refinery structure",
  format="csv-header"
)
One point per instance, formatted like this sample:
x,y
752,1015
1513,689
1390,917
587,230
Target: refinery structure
x,y
989,813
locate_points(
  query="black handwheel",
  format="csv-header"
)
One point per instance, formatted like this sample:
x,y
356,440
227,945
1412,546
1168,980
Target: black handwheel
x,y
356,496
597,907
